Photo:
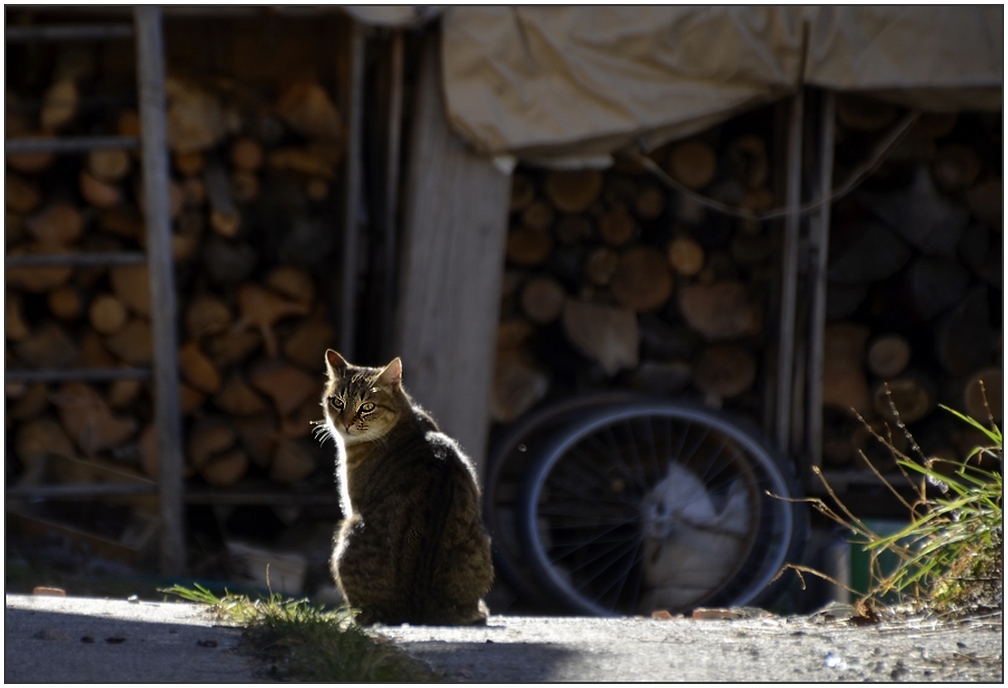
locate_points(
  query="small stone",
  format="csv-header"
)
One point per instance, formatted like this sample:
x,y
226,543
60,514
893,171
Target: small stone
x,y
661,614
133,599
713,614
48,591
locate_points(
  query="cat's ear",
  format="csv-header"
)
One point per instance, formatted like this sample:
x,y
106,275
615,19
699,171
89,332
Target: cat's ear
x,y
336,365
391,375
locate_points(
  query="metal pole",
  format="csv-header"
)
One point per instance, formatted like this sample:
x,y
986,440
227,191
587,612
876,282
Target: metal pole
x,y
819,241
789,275
154,144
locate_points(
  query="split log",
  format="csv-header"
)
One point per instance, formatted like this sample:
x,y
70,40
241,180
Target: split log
x,y
93,353
725,371
955,167
888,355
257,436
107,314
122,222
517,387
513,333
197,369
303,160
748,250
662,378
15,326
291,463
863,252
31,163
542,299
863,113
123,393
224,216
306,108
65,303
686,256
844,299
195,117
844,385
37,440
230,348
573,191
538,216
87,419
650,202
301,422
108,164
288,387
693,164
98,193
59,105
245,188
60,224
189,163
292,282
923,216
247,154
31,404
32,279
47,347
983,395
190,399
932,284
208,436
194,196
720,311
616,226
225,470
606,334
642,280
130,284
133,343
262,309
207,315
985,201
20,196
522,193
308,343
601,265
237,398
528,247
911,394
317,189
964,338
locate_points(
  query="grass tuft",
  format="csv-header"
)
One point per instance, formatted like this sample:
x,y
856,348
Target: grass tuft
x,y
304,642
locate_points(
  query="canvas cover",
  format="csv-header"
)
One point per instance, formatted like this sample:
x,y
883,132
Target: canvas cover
x,y
582,80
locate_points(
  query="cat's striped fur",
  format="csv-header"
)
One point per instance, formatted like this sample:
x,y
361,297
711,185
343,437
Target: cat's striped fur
x,y
412,546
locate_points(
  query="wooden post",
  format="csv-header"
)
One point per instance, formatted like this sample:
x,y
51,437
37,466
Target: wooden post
x,y
455,226
353,190
789,275
390,204
154,143
819,244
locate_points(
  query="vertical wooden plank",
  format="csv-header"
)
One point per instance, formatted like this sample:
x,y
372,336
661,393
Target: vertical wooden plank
x,y
154,143
352,191
391,206
455,226
789,276
819,257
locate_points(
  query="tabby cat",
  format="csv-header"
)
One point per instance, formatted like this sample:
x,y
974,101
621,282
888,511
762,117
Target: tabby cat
x,y
412,546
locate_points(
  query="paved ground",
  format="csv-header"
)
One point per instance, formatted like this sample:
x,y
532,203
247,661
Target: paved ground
x,y
59,640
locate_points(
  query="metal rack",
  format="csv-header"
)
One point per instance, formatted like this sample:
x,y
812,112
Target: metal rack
x,y
146,30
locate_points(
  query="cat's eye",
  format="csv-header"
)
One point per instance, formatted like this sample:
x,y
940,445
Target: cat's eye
x,y
337,403
366,407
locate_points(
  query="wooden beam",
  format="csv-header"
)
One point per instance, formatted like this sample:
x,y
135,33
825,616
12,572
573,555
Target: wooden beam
x,y
819,258
154,140
789,276
455,225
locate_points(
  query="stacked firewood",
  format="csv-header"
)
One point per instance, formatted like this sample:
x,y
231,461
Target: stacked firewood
x,y
253,194
915,286
614,281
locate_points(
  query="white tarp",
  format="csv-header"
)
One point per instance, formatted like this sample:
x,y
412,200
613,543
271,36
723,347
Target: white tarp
x,y
583,80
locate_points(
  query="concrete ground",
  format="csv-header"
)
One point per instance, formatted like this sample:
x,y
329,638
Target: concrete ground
x,y
59,640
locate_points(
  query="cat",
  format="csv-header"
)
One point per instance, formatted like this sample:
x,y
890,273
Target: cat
x,y
412,547
689,545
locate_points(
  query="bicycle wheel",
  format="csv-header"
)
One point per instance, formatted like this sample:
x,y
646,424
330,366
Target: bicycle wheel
x,y
662,505
507,465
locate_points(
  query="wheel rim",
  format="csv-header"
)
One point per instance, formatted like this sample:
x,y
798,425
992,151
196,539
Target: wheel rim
x,y
656,507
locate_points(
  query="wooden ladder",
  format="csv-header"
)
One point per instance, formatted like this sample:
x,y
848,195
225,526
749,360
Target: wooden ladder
x,y
146,30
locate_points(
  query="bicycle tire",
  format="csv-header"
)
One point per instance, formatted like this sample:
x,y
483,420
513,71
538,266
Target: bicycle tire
x,y
660,505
